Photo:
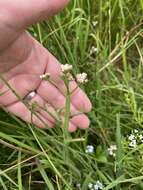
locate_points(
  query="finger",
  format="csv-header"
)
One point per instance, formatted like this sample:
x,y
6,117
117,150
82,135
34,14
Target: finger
x,y
50,114
25,13
81,121
20,110
53,96
21,85
40,120
72,128
44,108
79,99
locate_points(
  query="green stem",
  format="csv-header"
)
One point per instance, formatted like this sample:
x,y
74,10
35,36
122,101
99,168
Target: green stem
x,y
67,114
66,135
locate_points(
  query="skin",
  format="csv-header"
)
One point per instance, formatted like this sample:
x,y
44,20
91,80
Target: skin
x,y
23,60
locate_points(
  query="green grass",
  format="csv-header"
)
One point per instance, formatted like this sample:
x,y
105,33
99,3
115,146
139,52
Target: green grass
x,y
33,159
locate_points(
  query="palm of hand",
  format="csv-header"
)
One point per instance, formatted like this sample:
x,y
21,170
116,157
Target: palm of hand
x,y
25,60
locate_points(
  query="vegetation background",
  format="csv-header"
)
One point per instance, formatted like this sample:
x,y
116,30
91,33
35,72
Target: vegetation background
x,y
105,40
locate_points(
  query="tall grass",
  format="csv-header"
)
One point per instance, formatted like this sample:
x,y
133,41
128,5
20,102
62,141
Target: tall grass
x,y
31,158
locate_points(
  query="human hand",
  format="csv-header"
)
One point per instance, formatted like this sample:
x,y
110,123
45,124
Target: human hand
x,y
23,60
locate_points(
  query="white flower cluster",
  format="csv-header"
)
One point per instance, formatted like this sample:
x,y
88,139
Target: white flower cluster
x,y
93,50
112,150
89,149
82,78
66,67
135,138
45,76
133,142
94,23
78,185
97,186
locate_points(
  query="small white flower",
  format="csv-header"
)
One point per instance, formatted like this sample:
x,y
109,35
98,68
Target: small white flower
x,y
112,150
135,138
94,23
82,78
133,143
111,153
98,185
113,147
131,137
66,67
140,137
90,185
93,50
89,149
78,185
45,76
136,131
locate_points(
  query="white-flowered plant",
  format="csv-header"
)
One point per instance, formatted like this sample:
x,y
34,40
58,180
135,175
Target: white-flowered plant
x,y
89,149
78,185
93,50
95,186
135,138
131,137
133,143
66,67
136,130
82,78
141,138
94,23
112,150
90,185
98,185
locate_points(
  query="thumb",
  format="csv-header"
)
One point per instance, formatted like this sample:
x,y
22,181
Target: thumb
x,y
27,12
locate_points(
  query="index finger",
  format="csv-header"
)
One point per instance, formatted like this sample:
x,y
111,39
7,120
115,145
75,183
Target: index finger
x,y
24,13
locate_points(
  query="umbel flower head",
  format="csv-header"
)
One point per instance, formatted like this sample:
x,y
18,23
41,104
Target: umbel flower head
x,y
66,68
89,149
94,23
82,78
95,186
93,50
135,138
112,150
